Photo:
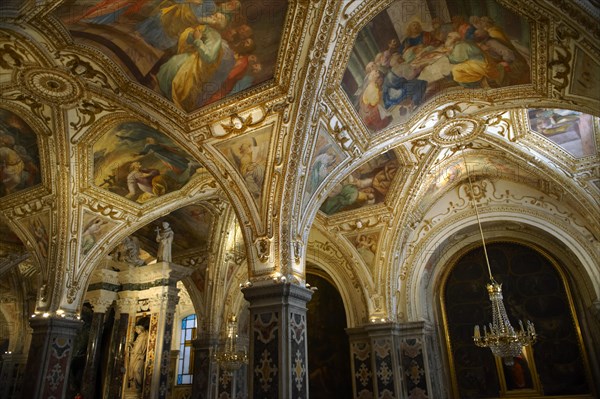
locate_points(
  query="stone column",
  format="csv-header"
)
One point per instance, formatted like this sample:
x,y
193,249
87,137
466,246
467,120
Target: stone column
x,y
392,360
49,358
113,385
205,369
278,356
11,376
92,361
160,383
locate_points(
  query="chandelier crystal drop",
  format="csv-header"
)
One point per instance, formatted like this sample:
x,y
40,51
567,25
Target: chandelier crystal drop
x,y
230,358
501,337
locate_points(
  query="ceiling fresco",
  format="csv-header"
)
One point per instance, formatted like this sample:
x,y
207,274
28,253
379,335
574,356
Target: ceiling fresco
x,y
248,154
367,185
140,163
7,236
192,52
573,131
19,155
326,156
408,54
191,226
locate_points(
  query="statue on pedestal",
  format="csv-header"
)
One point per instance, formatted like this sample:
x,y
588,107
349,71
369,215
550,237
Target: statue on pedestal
x,y
164,238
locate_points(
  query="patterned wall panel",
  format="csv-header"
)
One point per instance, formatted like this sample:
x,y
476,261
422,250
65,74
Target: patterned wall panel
x,y
361,362
298,358
411,352
57,373
165,347
266,356
384,369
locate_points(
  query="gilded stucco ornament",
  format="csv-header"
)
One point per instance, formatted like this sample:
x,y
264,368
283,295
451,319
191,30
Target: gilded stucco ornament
x,y
456,131
53,87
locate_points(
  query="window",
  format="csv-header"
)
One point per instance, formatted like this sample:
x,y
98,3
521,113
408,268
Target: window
x,y
186,355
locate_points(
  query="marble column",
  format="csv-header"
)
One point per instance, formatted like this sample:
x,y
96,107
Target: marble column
x,y
205,369
92,361
113,385
11,375
160,386
50,356
395,360
278,365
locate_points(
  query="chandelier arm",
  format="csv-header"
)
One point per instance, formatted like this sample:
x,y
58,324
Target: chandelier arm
x,y
487,260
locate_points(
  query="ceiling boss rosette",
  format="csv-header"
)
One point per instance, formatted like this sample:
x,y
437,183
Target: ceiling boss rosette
x,y
53,87
456,131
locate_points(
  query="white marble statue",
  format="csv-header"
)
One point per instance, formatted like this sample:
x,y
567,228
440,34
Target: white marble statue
x,y
164,238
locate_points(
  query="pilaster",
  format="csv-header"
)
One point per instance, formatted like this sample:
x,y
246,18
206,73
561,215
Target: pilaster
x,y
395,360
100,302
278,355
205,369
49,358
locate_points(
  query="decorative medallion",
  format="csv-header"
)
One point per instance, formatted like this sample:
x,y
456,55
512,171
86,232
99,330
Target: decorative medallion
x,y
50,86
457,131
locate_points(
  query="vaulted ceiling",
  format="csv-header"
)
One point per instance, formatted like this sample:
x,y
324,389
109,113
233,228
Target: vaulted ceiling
x,y
346,118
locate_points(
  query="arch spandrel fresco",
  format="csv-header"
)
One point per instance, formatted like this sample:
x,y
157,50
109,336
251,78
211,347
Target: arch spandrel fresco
x,y
140,163
367,185
408,54
573,131
19,155
192,52
191,226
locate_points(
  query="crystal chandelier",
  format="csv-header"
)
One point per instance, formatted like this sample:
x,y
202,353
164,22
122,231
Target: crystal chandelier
x,y
501,338
231,359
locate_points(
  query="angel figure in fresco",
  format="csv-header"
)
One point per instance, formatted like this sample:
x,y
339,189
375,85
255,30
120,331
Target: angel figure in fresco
x,y
250,166
366,247
90,234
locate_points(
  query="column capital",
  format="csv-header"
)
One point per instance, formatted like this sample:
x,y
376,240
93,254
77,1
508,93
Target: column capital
x,y
59,325
265,292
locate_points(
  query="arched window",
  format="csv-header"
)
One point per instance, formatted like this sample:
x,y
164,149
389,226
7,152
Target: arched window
x,y
186,354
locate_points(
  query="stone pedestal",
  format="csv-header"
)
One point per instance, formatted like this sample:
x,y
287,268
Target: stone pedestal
x,y
395,360
49,357
278,365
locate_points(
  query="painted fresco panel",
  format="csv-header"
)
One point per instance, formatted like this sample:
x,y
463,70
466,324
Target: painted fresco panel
x,y
407,54
585,76
94,229
192,52
140,163
191,226
39,226
19,155
366,245
571,130
367,185
248,155
326,157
